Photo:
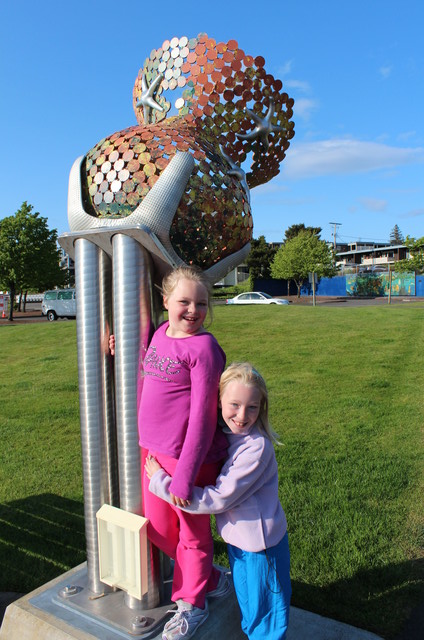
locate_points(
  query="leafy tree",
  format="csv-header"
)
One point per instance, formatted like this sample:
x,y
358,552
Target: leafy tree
x,y
260,258
29,256
302,255
416,260
295,229
396,236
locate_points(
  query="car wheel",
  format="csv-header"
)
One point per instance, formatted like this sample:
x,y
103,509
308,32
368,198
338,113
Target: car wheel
x,y
51,316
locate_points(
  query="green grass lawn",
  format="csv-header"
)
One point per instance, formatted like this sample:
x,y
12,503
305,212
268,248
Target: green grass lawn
x,y
346,399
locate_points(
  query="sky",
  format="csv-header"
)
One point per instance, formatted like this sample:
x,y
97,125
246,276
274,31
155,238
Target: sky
x,y
355,70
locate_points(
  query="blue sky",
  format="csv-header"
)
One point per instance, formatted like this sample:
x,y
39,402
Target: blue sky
x,y
354,69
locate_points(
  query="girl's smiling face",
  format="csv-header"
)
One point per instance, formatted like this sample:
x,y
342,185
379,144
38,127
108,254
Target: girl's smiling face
x,y
187,307
240,406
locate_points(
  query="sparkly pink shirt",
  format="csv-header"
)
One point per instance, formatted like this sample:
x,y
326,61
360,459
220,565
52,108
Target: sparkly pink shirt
x,y
179,403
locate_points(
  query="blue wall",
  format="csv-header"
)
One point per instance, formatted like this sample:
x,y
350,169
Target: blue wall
x,y
419,286
403,285
326,287
274,287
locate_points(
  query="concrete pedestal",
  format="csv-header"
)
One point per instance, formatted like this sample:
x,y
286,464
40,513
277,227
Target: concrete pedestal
x,y
45,614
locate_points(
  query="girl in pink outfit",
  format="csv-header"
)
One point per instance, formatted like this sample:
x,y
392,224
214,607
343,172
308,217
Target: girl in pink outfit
x,y
177,425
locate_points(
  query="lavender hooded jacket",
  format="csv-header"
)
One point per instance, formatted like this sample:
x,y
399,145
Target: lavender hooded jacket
x,y
245,497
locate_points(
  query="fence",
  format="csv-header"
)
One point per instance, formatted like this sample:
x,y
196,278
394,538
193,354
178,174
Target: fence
x,y
370,284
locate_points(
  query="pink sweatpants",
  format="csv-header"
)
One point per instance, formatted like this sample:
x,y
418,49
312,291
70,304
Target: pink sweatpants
x,y
185,537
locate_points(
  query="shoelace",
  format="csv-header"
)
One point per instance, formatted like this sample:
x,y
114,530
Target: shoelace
x,y
179,618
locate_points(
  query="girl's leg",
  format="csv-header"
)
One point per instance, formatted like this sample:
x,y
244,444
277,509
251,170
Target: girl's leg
x,y
238,568
193,560
194,574
262,584
163,527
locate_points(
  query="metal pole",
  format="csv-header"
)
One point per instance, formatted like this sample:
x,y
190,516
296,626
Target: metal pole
x,y
91,361
133,313
110,471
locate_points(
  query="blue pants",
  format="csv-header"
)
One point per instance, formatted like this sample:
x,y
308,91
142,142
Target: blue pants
x,y
263,589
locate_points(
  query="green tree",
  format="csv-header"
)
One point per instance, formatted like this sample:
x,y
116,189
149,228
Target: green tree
x,y
29,256
260,258
416,260
396,236
295,229
302,255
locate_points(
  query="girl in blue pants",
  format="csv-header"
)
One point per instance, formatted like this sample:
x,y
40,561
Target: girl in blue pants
x,y
249,516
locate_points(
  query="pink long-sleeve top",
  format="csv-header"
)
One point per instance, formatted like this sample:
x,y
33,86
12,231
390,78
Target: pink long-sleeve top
x,y
179,403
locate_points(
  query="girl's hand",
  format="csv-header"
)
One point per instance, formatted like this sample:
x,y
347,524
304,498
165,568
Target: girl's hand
x,y
151,466
179,502
112,344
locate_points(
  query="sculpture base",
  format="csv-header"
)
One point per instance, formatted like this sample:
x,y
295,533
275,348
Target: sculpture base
x,y
47,613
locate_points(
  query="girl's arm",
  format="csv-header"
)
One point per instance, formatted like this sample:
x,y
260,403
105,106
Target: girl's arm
x,y
152,466
238,480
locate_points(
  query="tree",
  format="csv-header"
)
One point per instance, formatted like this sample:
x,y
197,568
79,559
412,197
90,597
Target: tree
x,y
396,236
29,256
302,255
260,258
416,260
295,229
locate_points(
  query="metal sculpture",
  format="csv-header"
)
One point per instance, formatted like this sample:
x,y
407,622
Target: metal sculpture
x,y
168,191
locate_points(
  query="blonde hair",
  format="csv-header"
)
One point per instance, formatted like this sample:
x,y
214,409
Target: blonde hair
x,y
246,374
186,272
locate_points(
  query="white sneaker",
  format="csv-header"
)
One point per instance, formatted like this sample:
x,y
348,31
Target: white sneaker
x,y
223,588
185,622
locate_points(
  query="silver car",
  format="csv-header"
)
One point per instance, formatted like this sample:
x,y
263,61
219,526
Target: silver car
x,y
256,297
59,303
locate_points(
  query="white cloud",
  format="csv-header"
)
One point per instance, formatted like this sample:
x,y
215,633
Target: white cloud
x,y
301,85
373,204
415,213
386,71
269,187
304,107
406,135
286,68
345,157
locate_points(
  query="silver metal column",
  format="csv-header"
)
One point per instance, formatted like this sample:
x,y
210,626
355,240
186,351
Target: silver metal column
x,y
133,313
110,477
92,271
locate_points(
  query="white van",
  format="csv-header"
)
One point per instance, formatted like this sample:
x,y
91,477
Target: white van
x,y
59,303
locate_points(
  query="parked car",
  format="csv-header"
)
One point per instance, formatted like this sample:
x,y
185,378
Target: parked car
x,y
59,303
256,297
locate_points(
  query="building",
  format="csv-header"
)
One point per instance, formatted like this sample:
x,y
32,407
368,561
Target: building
x,y
67,264
363,256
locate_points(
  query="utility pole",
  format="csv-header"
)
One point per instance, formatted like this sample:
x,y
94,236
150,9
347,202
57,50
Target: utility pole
x,y
336,224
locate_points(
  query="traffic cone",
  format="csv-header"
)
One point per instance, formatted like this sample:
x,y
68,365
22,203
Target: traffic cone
x,y
3,315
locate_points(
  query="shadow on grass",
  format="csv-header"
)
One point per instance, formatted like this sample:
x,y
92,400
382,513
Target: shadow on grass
x,y
43,536
40,538
394,612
